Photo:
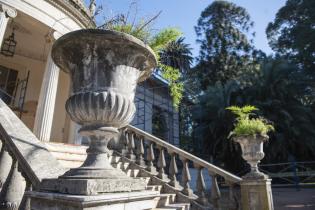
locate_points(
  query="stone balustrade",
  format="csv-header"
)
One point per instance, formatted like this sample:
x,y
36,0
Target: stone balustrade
x,y
160,155
24,161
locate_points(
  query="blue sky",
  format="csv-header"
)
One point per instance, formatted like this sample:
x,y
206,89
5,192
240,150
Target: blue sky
x,y
185,13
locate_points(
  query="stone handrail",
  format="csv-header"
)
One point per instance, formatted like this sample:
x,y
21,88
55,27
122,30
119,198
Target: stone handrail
x,y
140,148
22,157
171,148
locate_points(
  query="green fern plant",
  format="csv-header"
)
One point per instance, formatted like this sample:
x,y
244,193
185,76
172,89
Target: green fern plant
x,y
245,125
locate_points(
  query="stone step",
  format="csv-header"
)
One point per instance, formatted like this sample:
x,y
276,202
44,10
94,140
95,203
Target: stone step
x,y
69,156
115,159
70,164
154,187
179,206
147,179
123,166
132,172
175,206
166,199
66,148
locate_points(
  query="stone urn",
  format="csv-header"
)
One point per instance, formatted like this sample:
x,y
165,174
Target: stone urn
x,y
252,153
105,67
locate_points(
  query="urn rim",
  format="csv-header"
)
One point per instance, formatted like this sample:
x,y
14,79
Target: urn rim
x,y
263,137
103,34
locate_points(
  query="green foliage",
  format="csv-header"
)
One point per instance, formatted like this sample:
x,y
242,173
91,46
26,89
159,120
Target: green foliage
x,y
292,33
283,95
178,55
166,43
226,52
246,125
160,40
172,75
132,30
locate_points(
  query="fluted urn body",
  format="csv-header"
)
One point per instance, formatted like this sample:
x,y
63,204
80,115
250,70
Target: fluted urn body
x,y
105,67
252,153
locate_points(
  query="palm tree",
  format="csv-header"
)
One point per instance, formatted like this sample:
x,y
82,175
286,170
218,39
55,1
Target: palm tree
x,y
177,54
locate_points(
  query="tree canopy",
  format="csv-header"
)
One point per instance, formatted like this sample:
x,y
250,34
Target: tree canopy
x,y
292,33
225,50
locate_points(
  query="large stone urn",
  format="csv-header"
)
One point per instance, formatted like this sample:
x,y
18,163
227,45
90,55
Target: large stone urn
x,y
252,153
105,67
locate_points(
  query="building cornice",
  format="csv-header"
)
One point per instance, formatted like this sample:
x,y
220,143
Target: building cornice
x,y
75,9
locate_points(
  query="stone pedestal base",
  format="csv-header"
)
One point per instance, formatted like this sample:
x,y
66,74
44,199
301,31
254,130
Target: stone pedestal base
x,y
256,194
109,201
92,186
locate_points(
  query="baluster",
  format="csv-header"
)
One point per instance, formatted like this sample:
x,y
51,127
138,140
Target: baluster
x,y
150,158
233,205
140,153
186,178
161,165
5,164
201,187
26,201
215,192
124,142
173,170
131,146
13,189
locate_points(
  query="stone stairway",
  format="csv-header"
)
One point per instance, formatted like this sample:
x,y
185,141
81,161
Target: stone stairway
x,y
26,162
72,156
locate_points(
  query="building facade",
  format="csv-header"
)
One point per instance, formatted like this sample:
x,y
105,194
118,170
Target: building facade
x,y
36,89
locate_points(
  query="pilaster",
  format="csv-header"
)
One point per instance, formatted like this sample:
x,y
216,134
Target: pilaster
x,y
46,101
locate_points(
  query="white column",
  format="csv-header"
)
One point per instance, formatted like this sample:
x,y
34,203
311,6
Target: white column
x,y
46,102
6,13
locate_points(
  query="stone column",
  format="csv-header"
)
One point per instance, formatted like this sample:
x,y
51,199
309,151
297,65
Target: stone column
x,y
46,101
6,13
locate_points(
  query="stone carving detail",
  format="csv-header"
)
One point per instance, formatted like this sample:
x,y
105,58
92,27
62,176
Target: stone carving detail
x,y
252,152
105,108
8,11
104,67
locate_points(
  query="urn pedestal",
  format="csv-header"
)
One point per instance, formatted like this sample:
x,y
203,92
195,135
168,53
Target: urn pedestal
x,y
105,67
256,190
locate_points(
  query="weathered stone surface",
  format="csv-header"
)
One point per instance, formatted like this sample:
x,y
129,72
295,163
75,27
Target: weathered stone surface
x,y
252,152
110,201
93,186
256,194
5,165
13,189
105,67
33,157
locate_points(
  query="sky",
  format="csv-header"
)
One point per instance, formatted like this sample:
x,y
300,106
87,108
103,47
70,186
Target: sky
x,y
184,15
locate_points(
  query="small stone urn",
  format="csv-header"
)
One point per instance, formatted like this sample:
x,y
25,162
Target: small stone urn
x,y
252,152
105,67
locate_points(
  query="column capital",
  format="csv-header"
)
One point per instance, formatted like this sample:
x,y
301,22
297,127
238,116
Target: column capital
x,y
8,11
52,36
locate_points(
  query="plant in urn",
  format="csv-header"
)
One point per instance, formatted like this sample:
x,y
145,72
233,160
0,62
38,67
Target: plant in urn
x,y
250,133
105,67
